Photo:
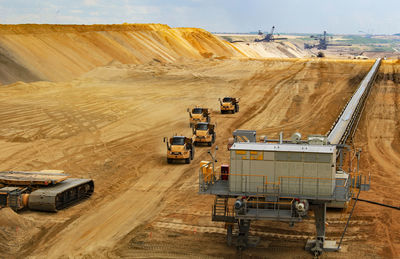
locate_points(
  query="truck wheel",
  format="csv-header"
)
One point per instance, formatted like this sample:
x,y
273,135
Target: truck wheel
x,y
233,111
169,160
195,143
187,160
209,143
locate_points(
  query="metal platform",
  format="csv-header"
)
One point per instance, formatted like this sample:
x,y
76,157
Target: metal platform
x,y
269,214
221,188
23,178
328,246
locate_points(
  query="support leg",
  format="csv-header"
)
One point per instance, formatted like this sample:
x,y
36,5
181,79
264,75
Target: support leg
x,y
229,230
244,227
320,219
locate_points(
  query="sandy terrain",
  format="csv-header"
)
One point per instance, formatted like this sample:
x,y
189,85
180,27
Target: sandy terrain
x,y
108,124
63,52
378,136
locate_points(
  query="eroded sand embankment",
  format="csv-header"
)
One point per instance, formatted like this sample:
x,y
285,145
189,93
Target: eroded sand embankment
x,y
33,52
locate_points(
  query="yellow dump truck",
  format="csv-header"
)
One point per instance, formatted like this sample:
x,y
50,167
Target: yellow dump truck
x,y
204,133
229,104
179,148
198,114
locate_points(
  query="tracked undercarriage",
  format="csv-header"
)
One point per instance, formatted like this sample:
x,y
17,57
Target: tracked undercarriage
x,y
43,191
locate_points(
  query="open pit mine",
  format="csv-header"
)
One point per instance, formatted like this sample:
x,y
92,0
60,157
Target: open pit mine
x,y
85,172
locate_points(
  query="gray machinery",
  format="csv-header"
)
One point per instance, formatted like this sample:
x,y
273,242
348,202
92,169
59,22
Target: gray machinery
x,y
47,190
268,37
282,180
323,43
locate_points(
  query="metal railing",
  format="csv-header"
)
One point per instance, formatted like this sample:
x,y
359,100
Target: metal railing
x,y
259,184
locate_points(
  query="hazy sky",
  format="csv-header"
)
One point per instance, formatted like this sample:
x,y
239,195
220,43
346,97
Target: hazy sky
x,y
335,16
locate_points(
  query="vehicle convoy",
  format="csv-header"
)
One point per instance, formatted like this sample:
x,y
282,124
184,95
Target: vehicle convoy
x,y
283,180
204,133
47,190
198,114
179,148
229,104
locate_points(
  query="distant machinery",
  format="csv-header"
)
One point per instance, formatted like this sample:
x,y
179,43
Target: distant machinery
x,y
366,34
323,42
268,37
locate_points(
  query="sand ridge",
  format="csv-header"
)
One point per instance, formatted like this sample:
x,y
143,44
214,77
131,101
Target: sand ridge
x,y
34,52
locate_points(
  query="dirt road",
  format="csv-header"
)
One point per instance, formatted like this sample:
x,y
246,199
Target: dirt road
x,y
109,124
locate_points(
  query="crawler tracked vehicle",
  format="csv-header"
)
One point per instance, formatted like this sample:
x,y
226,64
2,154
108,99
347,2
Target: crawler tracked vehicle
x,y
47,190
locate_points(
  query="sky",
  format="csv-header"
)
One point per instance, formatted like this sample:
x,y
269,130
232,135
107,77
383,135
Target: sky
x,y
306,16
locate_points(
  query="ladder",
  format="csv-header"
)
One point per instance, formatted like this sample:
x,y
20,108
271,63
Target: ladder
x,y
220,210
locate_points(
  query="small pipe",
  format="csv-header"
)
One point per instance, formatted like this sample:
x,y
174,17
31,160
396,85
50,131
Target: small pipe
x,y
348,220
381,204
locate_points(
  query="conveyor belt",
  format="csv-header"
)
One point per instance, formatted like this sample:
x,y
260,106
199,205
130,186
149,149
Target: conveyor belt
x,y
348,119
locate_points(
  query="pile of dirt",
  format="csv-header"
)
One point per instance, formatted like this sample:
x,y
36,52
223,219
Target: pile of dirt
x,y
271,50
15,231
32,52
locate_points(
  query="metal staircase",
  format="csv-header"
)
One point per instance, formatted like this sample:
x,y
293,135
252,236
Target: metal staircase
x,y
221,211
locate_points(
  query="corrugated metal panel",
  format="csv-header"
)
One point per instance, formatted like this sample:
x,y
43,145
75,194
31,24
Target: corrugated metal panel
x,y
289,170
246,178
269,155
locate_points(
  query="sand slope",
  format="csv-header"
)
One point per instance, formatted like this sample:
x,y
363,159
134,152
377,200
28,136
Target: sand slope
x,y
378,136
271,50
62,52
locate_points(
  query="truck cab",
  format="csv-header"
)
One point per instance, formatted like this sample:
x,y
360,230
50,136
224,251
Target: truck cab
x,y
179,148
229,104
198,114
204,133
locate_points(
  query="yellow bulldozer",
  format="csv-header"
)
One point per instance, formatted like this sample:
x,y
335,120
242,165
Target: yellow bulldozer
x,y
198,114
204,133
179,148
229,104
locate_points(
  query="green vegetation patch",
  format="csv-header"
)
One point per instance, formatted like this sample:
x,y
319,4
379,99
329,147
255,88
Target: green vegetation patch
x,y
355,39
